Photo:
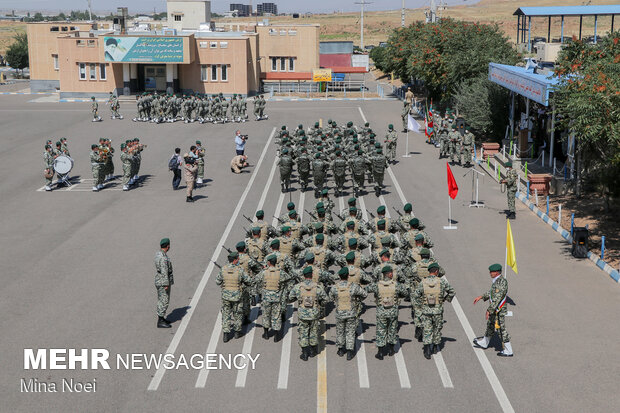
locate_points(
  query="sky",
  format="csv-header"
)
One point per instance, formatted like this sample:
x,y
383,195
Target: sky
x,y
284,6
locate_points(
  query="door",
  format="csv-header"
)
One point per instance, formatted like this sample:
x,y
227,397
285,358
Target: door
x,y
155,78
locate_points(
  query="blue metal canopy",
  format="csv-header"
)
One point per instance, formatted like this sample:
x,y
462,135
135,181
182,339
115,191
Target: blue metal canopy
x,y
568,11
526,83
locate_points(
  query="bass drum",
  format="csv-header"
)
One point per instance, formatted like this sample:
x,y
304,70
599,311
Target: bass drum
x,y
63,164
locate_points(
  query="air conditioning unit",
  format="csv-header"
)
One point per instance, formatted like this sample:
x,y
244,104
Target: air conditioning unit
x,y
169,32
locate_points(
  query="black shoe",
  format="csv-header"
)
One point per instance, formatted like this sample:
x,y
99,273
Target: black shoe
x,y
390,350
313,350
304,354
277,336
379,354
237,334
341,351
265,333
226,337
501,354
427,351
418,334
349,355
434,348
161,323
253,300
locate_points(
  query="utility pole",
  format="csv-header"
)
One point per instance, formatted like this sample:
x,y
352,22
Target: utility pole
x,y
90,12
402,15
362,3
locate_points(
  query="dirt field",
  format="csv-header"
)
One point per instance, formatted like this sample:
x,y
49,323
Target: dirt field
x,y
7,31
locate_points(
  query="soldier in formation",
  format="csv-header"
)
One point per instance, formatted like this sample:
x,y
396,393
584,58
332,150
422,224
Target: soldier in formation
x,y
94,108
114,106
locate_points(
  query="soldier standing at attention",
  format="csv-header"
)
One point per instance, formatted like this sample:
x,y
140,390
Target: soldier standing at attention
x,y
390,143
310,296
468,146
409,98
429,296
387,293
48,157
511,189
496,312
163,282
95,110
200,162
378,163
455,143
270,284
230,278
339,167
346,295
286,168
126,159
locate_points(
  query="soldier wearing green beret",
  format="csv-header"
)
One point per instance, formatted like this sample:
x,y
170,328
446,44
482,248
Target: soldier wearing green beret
x,y
126,159
319,173
391,138
286,168
355,216
251,267
309,296
428,298
388,293
339,168
94,108
96,162
405,218
454,138
232,279
163,282
511,181
378,163
414,230
496,312
284,218
270,282
266,230
375,239
346,295
256,251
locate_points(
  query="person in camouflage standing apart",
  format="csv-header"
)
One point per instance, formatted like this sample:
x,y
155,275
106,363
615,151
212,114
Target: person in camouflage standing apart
x,y
230,278
94,108
468,147
200,162
429,296
310,296
48,158
346,295
391,139
511,189
496,312
163,282
286,168
387,293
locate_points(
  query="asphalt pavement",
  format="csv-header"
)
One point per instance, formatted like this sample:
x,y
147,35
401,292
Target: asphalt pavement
x,y
78,273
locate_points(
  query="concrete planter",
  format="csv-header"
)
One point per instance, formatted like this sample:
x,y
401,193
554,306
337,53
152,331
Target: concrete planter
x,y
489,149
539,182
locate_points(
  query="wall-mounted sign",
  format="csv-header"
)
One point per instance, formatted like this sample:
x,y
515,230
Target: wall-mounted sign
x,y
143,49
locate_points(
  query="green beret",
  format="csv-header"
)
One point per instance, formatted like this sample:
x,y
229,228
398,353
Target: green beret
x,y
318,155
272,259
256,230
58,143
93,146
381,209
414,222
353,209
164,242
425,251
316,124
233,255
350,224
381,223
408,207
325,191
290,206
283,127
338,153
300,126
386,269
509,164
384,251
307,270
320,237
198,143
495,267
350,256
123,146
285,150
352,201
343,271
379,151
260,213
92,97
320,205
360,152
419,237
377,145
329,121
292,212
433,266
367,124
275,243
349,124
240,245
318,225
454,126
286,228
320,211
386,240
390,126
352,242
309,257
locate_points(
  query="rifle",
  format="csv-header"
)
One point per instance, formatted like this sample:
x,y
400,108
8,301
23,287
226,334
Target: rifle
x,y
217,265
311,214
339,216
227,249
371,214
248,219
397,211
279,220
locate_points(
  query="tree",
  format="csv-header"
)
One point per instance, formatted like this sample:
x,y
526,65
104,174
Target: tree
x,y
587,99
17,53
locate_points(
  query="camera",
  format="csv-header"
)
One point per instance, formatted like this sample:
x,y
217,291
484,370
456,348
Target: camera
x,y
245,137
189,160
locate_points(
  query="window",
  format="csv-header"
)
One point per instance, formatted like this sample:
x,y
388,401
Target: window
x,y
55,58
274,64
214,73
204,45
224,73
282,64
80,43
223,45
54,29
292,32
93,71
204,73
291,64
91,43
177,17
273,32
102,71
65,28
82,71
72,28
213,45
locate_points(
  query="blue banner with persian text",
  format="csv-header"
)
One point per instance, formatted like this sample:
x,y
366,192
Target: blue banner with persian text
x,y
143,49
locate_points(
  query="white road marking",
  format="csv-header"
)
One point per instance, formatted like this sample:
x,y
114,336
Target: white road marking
x,y
285,357
263,196
500,394
362,113
275,223
362,365
300,207
215,335
159,374
247,346
443,371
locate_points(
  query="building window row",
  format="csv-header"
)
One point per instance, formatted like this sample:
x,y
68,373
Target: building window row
x,y
214,73
283,64
88,71
283,32
213,45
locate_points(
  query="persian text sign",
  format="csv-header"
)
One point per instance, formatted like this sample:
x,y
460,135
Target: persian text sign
x,y
530,88
143,49
321,75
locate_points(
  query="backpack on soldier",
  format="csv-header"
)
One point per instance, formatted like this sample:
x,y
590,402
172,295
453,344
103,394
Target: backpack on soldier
x,y
387,293
432,290
344,297
173,163
308,295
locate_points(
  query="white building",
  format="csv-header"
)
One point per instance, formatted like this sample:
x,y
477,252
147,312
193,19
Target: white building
x,y
188,14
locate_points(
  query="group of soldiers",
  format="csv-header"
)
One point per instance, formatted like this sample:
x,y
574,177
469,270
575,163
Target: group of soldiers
x,y
102,166
50,154
388,258
160,108
352,150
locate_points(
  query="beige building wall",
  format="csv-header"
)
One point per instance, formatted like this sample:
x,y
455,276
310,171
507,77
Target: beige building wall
x,y
282,41
188,14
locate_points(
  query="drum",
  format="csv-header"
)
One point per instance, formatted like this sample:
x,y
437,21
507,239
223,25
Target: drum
x,y
63,164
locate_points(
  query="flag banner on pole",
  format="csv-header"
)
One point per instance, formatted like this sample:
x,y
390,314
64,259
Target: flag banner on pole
x,y
412,124
453,188
511,256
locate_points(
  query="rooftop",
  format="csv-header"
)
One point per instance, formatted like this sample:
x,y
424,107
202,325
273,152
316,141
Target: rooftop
x,y
568,11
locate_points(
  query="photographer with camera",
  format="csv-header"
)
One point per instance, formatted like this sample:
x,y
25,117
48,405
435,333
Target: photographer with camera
x,y
238,163
191,169
240,141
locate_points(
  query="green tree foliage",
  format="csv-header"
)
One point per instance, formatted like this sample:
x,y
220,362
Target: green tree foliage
x,y
377,55
17,53
588,102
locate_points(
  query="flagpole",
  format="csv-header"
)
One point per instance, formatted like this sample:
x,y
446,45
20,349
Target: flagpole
x,y
406,155
505,262
450,226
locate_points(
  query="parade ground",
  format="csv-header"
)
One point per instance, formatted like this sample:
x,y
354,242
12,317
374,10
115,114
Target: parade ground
x,y
78,273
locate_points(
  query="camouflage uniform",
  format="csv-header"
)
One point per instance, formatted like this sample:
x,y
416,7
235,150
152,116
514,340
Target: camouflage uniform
x,y
379,163
358,165
468,143
511,188
339,167
230,278
387,294
48,158
390,144
455,143
429,297
309,295
497,316
346,294
286,168
163,281
303,169
319,171
271,282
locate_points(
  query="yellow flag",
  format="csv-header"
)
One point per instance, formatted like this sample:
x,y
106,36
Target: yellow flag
x,y
511,257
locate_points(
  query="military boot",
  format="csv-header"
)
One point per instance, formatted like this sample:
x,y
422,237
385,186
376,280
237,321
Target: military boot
x,y
313,350
435,348
427,351
277,336
379,354
418,333
265,333
304,354
349,355
390,350
237,334
341,351
226,337
162,323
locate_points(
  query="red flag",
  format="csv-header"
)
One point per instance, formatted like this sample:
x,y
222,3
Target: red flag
x,y
453,188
